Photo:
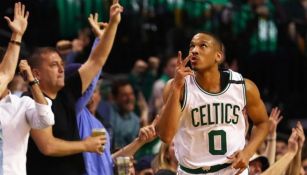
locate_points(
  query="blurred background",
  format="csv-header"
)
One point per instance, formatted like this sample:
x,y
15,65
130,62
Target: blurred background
x,y
265,40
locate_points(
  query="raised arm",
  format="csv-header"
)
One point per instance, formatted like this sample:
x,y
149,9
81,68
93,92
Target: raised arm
x,y
279,167
9,62
167,125
28,76
100,54
295,165
39,115
146,134
257,113
270,149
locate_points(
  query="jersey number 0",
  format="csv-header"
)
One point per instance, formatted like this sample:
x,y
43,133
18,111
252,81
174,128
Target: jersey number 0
x,y
213,147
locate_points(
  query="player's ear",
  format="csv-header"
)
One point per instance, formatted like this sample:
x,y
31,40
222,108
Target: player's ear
x,y
219,57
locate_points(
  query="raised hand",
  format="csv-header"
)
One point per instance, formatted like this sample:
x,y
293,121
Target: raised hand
x,y
301,136
115,11
147,133
20,21
293,141
181,70
97,27
25,70
274,120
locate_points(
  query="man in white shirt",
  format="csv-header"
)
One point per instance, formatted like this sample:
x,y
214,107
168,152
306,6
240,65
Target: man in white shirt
x,y
19,115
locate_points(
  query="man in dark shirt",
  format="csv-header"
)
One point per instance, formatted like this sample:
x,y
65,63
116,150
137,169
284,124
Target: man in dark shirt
x,y
47,66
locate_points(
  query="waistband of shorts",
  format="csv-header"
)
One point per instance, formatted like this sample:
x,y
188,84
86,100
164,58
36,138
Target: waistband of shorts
x,y
211,169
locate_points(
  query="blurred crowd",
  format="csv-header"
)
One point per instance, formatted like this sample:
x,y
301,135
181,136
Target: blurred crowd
x,y
264,39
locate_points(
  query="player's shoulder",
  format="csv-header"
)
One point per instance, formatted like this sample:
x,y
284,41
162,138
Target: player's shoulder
x,y
252,91
250,85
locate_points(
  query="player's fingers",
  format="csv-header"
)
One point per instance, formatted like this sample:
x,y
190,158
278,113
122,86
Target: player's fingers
x,y
186,60
96,17
233,155
235,164
179,59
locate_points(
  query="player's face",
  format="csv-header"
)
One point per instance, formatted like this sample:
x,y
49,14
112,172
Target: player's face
x,y
204,51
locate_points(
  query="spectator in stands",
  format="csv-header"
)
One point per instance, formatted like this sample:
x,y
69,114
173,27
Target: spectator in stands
x,y
290,162
166,160
19,115
156,100
258,164
122,115
48,68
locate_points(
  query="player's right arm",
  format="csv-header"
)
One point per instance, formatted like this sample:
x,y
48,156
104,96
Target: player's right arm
x,y
168,123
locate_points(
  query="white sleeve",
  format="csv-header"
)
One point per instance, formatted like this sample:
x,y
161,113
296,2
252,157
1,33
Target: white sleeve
x,y
40,116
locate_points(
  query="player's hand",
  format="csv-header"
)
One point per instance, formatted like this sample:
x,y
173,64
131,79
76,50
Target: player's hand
x,y
115,12
181,70
20,21
239,161
97,27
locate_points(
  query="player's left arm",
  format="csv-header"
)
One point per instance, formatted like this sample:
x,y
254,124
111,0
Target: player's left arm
x,y
257,113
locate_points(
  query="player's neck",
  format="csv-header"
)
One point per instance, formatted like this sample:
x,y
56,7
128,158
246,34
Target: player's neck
x,y
209,80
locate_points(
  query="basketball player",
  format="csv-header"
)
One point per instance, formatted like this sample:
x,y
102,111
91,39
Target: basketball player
x,y
203,113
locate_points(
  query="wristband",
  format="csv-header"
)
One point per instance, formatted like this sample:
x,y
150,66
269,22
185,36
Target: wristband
x,y
15,42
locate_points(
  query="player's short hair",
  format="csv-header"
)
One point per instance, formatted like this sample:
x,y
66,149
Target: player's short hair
x,y
217,40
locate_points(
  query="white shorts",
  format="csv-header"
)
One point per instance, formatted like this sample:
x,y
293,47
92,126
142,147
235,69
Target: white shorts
x,y
224,171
